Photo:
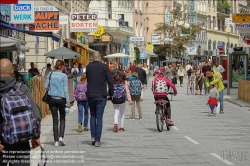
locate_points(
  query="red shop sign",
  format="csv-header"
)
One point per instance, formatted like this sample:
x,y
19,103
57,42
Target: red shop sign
x,y
8,1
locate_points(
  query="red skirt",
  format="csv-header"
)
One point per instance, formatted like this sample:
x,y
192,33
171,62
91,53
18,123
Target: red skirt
x,y
212,101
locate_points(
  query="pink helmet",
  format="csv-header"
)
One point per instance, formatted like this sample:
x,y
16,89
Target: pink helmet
x,y
158,72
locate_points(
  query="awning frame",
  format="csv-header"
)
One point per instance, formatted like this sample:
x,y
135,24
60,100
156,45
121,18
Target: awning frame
x,y
54,37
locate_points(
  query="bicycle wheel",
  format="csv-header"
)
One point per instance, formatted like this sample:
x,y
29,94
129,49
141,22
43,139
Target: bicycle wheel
x,y
159,119
188,88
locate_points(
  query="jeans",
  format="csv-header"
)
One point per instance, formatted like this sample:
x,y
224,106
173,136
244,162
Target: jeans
x,y
119,109
221,94
81,105
55,105
204,83
97,106
19,149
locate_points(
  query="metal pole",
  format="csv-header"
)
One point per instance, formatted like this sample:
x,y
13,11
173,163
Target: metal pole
x,y
228,67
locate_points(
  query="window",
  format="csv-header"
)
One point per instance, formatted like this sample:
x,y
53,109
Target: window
x,y
235,45
213,2
232,45
227,48
223,25
209,22
214,45
208,1
110,9
209,45
214,22
219,25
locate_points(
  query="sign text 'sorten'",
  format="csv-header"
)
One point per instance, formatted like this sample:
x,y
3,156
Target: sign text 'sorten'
x,y
46,20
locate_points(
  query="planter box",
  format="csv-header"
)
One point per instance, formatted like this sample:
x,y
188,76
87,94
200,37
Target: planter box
x,y
244,90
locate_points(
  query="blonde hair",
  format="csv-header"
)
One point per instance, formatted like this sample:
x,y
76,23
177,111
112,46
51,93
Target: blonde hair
x,y
135,74
83,78
180,67
139,65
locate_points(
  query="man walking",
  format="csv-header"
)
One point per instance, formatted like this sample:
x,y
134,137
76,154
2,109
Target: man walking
x,y
7,83
214,77
98,76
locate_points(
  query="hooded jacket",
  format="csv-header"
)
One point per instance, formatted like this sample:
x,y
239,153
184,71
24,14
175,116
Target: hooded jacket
x,y
216,79
8,83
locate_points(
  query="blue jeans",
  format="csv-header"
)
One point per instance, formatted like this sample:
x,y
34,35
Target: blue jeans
x,y
97,106
221,100
81,105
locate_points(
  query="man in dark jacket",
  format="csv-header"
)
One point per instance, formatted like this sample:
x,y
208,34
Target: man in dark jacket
x,y
98,76
142,77
7,82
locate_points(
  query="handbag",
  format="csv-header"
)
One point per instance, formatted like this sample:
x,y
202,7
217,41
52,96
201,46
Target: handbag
x,y
46,96
119,100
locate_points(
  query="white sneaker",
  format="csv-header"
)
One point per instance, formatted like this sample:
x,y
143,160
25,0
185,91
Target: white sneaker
x,y
61,141
56,144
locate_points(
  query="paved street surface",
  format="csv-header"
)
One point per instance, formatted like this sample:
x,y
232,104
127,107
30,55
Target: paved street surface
x,y
195,140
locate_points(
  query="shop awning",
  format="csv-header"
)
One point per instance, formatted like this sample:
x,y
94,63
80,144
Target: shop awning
x,y
33,33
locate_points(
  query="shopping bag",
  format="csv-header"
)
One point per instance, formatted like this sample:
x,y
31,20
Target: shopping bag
x,y
218,108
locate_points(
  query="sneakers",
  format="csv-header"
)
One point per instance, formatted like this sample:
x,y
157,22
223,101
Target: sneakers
x,y
97,144
132,118
115,128
140,117
121,130
93,141
85,129
221,112
170,122
61,141
56,144
79,128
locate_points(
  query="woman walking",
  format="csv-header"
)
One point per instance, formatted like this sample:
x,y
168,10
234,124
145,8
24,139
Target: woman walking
x,y
57,84
82,102
181,73
119,97
145,67
198,79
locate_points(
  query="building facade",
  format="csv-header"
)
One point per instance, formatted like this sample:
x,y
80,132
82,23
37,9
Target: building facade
x,y
116,17
66,38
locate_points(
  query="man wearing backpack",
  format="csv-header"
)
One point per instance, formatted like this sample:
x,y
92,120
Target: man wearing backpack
x,y
18,140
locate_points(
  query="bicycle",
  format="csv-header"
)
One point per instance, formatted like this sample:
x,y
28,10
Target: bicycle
x,y
190,86
160,114
171,91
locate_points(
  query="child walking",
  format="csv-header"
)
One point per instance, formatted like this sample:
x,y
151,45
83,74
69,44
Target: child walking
x,y
82,102
119,97
135,87
213,99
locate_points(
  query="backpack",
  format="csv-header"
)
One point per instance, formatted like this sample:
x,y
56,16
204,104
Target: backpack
x,y
119,94
135,87
81,90
160,86
19,123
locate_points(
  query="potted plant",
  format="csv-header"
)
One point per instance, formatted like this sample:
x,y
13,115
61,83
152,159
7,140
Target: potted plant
x,y
223,6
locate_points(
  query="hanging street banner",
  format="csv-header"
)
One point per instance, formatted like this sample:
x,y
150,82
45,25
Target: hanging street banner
x,y
83,21
46,19
150,46
23,12
167,17
192,12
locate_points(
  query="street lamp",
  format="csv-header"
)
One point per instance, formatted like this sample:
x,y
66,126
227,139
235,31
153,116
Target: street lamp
x,y
186,25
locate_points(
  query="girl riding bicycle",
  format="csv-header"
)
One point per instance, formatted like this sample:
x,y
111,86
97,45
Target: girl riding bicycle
x,y
159,89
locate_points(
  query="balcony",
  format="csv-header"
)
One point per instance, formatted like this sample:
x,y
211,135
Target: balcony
x,y
223,13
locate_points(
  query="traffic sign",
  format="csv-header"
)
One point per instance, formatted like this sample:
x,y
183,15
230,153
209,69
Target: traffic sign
x,y
246,39
220,45
142,55
37,39
241,18
99,32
